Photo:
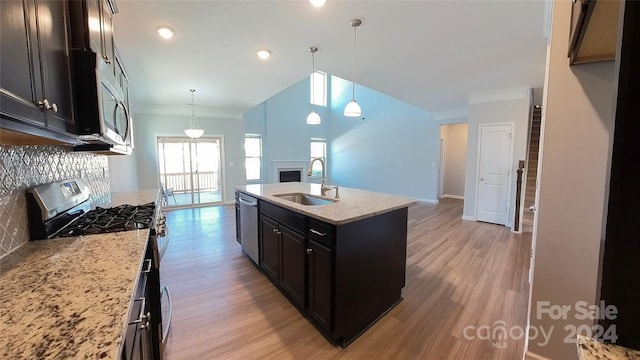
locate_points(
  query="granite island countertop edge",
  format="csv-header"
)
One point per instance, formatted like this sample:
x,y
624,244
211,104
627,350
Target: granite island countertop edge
x,y
353,204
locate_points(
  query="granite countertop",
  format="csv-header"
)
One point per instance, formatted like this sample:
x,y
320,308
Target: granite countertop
x,y
589,349
353,204
132,197
69,298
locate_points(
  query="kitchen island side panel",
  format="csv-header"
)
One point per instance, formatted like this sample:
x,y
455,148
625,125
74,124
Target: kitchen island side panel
x,y
370,271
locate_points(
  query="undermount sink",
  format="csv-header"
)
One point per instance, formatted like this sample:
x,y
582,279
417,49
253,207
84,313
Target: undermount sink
x,y
304,199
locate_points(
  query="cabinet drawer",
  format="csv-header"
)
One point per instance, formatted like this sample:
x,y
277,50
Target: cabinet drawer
x,y
322,232
295,221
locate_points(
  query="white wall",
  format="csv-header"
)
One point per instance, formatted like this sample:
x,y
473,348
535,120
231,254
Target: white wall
x,y
144,160
504,106
577,127
455,158
123,172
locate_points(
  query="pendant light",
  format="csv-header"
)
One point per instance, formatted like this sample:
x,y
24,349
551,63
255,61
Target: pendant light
x,y
194,130
313,118
353,109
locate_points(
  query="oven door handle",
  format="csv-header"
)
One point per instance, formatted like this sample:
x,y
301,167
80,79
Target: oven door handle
x,y
165,331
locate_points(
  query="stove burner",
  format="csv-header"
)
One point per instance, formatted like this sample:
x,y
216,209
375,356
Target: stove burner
x,y
106,220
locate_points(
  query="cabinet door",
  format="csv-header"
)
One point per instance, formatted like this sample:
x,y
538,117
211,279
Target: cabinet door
x,y
320,284
107,36
20,77
292,272
270,247
54,33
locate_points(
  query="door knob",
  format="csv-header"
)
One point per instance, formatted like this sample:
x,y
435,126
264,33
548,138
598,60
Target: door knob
x,y
309,251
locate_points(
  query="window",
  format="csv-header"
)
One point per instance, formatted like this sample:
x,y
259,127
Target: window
x,y
318,88
318,150
253,156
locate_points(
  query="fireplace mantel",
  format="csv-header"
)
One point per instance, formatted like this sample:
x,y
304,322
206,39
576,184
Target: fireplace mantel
x,y
288,165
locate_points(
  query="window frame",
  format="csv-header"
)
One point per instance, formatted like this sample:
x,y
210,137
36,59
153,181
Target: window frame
x,y
318,175
260,157
315,98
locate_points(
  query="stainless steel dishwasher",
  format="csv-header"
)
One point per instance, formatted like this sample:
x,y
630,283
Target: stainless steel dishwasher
x,y
249,226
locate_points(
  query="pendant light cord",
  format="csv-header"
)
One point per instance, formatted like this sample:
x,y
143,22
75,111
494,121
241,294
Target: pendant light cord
x,y
313,79
355,45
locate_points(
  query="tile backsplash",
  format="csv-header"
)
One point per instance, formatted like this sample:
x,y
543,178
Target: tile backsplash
x,y
22,167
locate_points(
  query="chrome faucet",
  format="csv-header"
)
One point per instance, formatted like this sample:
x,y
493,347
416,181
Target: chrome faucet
x,y
323,186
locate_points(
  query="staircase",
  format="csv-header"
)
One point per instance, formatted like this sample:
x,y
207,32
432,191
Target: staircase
x,y
532,169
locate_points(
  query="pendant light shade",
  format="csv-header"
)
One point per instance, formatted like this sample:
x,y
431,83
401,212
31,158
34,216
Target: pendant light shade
x,y
194,130
313,118
353,109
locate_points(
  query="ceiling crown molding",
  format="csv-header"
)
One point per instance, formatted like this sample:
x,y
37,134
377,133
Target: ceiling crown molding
x,y
451,115
520,93
200,113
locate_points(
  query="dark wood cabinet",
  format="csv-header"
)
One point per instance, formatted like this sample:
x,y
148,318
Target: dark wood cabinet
x,y
270,247
293,264
283,252
319,283
143,334
93,28
343,277
35,84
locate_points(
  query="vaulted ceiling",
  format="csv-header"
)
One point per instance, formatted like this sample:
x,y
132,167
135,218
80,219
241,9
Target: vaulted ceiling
x,y
430,54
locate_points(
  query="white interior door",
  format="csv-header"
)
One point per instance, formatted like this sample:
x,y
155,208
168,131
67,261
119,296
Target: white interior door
x,y
494,165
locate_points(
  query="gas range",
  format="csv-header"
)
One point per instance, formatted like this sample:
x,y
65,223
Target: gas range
x,y
105,220
62,209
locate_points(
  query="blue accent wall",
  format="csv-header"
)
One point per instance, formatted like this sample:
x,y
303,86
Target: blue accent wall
x,y
393,150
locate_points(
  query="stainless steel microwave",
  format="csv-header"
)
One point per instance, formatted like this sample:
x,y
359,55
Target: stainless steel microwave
x,y
102,116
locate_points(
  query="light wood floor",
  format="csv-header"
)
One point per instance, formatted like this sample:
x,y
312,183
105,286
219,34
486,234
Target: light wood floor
x,y
459,274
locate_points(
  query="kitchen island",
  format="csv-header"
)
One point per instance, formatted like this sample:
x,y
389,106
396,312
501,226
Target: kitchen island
x,y
70,298
341,262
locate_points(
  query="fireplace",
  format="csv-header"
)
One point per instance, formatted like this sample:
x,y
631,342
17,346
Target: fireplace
x,y
290,176
287,171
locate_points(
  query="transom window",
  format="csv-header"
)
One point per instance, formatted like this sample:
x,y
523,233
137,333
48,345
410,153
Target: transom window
x,y
318,88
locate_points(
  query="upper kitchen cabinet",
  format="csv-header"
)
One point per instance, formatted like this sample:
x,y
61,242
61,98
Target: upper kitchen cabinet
x,y
594,29
93,28
35,84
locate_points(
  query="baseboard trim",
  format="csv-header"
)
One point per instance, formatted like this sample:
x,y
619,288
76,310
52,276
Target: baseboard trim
x,y
459,197
467,217
529,355
431,201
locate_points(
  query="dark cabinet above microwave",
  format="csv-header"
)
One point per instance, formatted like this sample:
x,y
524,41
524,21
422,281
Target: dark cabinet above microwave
x,y
51,95
36,94
594,30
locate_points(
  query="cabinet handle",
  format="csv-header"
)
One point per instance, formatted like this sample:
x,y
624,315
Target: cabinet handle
x,y
46,105
148,269
147,324
142,316
275,231
317,232
106,59
309,251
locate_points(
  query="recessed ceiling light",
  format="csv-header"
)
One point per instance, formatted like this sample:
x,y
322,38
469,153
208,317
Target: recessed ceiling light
x,y
165,32
317,3
264,54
